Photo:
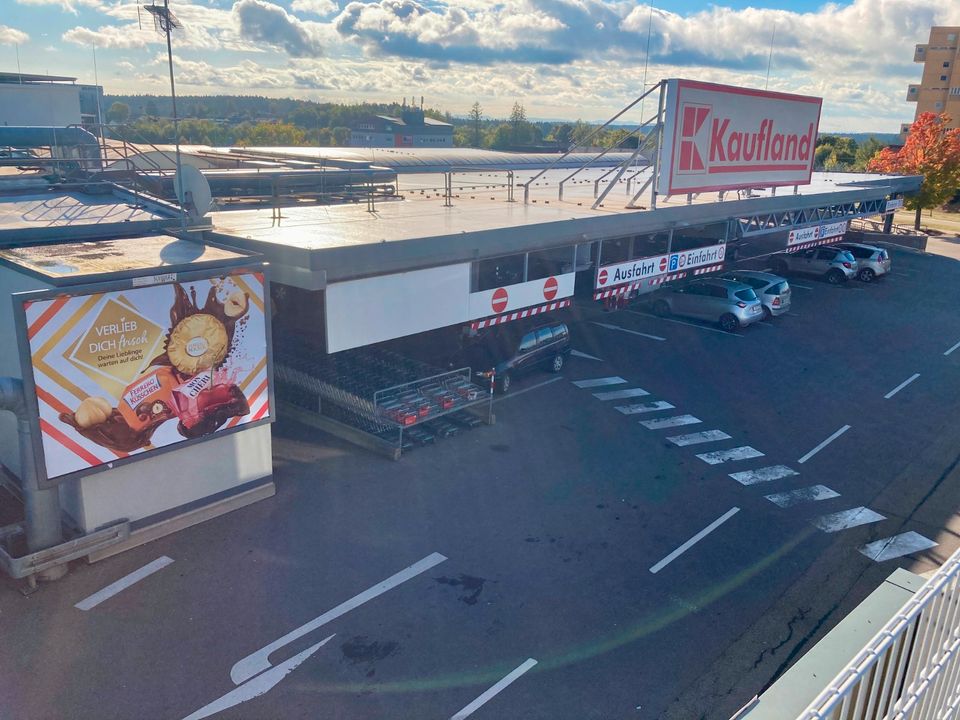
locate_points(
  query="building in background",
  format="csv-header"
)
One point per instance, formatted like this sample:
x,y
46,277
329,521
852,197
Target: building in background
x,y
48,100
411,129
939,88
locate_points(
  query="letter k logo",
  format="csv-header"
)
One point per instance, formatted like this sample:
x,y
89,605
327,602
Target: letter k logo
x,y
693,137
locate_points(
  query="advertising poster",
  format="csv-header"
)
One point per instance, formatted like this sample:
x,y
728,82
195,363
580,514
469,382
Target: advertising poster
x,y
123,373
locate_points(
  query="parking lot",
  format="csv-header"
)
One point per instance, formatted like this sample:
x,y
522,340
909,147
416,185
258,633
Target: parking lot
x,y
656,532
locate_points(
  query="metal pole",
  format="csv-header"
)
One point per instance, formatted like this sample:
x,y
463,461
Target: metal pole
x,y
656,155
770,56
176,122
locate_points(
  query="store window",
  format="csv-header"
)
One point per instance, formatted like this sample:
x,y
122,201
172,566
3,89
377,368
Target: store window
x,y
650,245
616,250
545,263
499,271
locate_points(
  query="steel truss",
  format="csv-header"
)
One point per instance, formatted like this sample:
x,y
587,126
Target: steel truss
x,y
763,223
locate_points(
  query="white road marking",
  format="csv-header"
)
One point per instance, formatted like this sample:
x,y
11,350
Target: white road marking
x,y
123,583
952,349
599,382
644,407
765,474
698,437
901,386
733,454
694,540
608,326
620,394
682,322
494,690
675,421
514,393
259,661
577,353
846,519
259,685
802,495
822,445
896,546
802,287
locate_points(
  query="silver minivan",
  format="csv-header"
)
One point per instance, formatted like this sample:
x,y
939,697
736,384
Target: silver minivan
x,y
828,261
773,290
872,261
729,303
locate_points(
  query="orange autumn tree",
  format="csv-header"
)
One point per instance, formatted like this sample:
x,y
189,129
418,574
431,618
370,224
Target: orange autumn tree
x,y
931,150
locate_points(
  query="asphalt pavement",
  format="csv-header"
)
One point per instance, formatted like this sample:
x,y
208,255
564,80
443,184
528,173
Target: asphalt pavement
x,y
661,541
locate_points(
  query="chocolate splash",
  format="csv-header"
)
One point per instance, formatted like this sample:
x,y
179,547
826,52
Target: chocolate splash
x,y
114,433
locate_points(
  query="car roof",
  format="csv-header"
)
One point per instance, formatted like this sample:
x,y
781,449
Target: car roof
x,y
725,282
859,245
758,274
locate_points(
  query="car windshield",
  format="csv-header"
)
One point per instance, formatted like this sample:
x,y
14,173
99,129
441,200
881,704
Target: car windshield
x,y
778,288
746,294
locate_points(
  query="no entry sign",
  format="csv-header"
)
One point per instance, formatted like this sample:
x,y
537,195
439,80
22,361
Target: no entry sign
x,y
499,300
550,288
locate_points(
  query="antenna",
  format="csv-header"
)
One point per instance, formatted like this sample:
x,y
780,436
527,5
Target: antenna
x,y
165,21
770,56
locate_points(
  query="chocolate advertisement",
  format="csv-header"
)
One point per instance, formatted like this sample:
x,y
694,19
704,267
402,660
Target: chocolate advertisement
x,y
123,373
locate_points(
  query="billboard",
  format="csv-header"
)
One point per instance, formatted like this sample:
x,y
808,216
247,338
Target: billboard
x,y
126,372
720,137
633,271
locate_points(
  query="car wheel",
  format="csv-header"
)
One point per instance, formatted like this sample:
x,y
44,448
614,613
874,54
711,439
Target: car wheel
x,y
661,308
836,277
503,383
557,364
767,314
729,322
867,275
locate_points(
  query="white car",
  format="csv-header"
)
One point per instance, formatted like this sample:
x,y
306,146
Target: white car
x,y
872,261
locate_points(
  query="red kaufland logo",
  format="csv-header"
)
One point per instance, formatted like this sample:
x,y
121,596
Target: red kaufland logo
x,y
710,144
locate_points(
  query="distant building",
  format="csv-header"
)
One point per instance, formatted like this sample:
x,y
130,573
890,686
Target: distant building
x,y
939,87
411,129
52,100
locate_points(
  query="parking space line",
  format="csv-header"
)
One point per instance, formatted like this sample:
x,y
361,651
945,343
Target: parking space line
x,y
675,421
257,662
620,394
644,407
896,546
682,322
123,583
732,455
577,353
822,445
599,382
952,349
901,386
514,393
698,437
694,540
765,474
802,495
494,690
608,326
846,519
802,287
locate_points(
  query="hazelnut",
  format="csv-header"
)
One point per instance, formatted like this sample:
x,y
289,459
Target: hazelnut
x,y
92,411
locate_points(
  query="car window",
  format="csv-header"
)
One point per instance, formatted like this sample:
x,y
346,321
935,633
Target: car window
x,y
559,332
778,288
826,254
528,342
845,256
544,335
755,283
746,295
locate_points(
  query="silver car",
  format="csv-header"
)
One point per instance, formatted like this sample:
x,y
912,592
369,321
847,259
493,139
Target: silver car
x,y
872,261
732,304
772,290
828,261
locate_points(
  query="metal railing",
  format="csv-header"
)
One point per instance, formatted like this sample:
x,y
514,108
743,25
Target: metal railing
x,y
911,668
866,225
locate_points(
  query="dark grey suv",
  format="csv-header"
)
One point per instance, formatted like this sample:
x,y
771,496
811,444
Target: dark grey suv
x,y
502,353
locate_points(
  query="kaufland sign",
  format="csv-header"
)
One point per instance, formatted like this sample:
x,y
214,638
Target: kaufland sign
x,y
719,137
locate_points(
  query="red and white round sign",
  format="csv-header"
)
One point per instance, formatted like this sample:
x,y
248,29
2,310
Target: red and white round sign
x,y
550,288
499,300
602,278
663,264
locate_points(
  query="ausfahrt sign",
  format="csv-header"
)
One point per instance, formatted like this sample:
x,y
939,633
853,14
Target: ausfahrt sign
x,y
720,137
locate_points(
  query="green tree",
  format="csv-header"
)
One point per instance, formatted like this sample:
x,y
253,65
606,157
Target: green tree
x,y
150,109
865,152
518,119
476,117
119,112
931,150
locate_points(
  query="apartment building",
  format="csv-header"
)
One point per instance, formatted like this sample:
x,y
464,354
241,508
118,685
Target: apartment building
x,y
939,88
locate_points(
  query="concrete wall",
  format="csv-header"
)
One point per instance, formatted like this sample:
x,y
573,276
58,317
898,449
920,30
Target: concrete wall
x,y
39,104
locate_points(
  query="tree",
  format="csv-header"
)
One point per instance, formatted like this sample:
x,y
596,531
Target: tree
x,y
476,116
865,152
518,118
931,150
118,112
150,109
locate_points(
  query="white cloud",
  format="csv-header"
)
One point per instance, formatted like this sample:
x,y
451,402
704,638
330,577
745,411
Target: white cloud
x,y
322,8
12,36
65,5
111,36
260,21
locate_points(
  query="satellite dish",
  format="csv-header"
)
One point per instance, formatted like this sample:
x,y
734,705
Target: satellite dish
x,y
197,197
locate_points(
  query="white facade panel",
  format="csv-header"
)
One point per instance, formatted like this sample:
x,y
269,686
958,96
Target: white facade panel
x,y
521,295
39,104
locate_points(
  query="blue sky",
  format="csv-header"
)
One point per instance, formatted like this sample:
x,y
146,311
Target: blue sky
x,y
560,58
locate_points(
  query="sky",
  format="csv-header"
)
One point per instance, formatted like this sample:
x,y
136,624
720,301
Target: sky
x,y
562,59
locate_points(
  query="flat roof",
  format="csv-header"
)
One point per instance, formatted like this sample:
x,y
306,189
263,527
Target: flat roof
x,y
59,215
74,263
340,242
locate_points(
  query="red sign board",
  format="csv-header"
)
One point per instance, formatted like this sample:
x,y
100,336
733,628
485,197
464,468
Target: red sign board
x,y
602,278
499,300
550,288
663,263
